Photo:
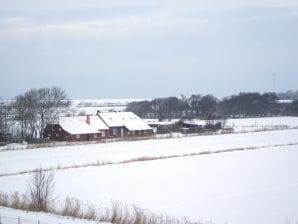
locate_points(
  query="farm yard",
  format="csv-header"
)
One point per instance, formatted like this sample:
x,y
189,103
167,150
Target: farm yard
x,y
228,178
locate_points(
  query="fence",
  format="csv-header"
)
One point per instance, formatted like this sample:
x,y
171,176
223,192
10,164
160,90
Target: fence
x,y
20,220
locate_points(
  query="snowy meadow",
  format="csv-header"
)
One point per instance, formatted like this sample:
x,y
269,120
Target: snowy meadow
x,y
228,178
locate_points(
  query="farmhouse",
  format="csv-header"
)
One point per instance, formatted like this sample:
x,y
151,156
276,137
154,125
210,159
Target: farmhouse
x,y
97,127
77,128
125,124
96,122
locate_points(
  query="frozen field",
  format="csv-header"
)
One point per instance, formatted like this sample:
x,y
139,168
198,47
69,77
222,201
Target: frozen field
x,y
254,124
91,106
10,216
259,186
250,186
21,160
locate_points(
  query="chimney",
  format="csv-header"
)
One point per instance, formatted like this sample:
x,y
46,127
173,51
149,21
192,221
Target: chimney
x,y
88,119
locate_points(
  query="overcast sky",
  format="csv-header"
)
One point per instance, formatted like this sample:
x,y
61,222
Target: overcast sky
x,y
148,48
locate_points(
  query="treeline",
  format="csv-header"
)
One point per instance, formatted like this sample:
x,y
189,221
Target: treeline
x,y
288,95
25,117
209,107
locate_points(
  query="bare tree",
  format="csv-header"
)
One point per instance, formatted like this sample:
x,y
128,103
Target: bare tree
x,y
5,116
25,106
50,100
41,190
36,107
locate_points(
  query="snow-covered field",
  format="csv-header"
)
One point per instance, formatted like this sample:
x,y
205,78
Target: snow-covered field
x,y
11,216
91,106
241,125
249,186
255,124
21,160
259,186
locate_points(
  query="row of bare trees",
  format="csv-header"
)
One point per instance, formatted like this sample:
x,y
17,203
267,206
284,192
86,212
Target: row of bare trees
x,y
26,116
174,107
207,106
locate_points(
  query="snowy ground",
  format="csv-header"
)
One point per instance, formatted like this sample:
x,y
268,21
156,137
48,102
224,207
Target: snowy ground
x,y
254,124
250,186
247,124
259,186
21,160
11,216
91,106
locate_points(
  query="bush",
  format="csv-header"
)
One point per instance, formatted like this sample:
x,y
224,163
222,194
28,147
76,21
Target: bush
x,y
41,189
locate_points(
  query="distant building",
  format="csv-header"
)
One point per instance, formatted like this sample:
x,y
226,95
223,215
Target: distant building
x,y
191,126
96,122
76,128
125,124
97,127
161,127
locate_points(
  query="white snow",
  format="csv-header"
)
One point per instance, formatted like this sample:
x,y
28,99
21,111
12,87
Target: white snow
x,y
10,216
255,124
195,122
14,146
97,123
92,106
76,125
259,186
128,119
16,161
249,186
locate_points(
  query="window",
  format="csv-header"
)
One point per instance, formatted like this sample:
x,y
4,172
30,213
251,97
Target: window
x,y
103,133
57,135
49,135
115,131
95,135
78,136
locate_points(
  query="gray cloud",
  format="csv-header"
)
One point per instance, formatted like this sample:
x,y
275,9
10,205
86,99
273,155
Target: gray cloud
x,y
147,48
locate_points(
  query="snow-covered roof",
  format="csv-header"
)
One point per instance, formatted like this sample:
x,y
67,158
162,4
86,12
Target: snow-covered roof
x,y
285,101
97,123
157,122
76,125
128,119
195,122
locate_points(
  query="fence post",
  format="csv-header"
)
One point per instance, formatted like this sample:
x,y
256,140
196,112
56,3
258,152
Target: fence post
x,y
0,219
19,220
